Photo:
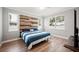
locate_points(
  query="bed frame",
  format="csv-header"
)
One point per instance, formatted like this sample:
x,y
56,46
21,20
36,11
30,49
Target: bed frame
x,y
38,41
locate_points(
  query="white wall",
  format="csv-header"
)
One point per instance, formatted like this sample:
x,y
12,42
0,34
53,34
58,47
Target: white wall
x,y
40,27
42,23
0,24
69,24
8,35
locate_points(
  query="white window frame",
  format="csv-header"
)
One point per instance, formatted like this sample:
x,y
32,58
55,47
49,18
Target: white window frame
x,y
59,27
13,27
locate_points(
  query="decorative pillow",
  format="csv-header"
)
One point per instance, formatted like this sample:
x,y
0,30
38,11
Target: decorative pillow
x,y
31,30
26,30
35,29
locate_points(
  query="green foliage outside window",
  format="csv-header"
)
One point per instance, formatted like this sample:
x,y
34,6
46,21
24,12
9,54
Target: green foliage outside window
x,y
55,20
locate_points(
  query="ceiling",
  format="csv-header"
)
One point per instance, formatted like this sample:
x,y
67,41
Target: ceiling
x,y
36,11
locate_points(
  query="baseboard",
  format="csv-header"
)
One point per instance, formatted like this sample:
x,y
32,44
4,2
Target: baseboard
x,y
7,41
61,36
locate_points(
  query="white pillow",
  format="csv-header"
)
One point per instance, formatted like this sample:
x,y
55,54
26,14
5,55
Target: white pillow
x,y
31,30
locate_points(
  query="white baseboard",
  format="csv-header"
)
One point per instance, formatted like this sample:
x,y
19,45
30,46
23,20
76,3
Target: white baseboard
x,y
7,41
61,36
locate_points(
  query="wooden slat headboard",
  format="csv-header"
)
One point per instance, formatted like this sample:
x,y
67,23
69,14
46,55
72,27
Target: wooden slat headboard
x,y
27,22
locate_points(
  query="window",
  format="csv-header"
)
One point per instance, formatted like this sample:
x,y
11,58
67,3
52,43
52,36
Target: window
x,y
57,22
13,22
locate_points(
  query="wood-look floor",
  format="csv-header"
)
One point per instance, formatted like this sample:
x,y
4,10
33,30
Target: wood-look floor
x,y
54,44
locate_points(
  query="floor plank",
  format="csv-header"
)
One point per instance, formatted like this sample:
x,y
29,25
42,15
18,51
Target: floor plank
x,y
54,44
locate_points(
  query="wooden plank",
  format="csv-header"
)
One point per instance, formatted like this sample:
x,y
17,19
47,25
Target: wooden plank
x,y
28,22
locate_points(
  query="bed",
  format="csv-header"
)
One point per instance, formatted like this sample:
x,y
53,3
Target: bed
x,y
33,37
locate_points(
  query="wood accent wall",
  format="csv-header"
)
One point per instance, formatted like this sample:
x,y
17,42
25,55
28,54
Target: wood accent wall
x,y
28,22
